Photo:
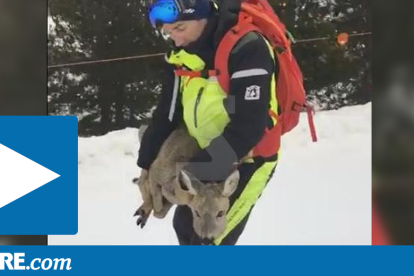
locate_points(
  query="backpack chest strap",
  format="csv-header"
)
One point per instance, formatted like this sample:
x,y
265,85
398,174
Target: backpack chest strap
x,y
205,74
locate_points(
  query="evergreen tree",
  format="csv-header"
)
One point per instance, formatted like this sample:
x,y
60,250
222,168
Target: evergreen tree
x,y
109,93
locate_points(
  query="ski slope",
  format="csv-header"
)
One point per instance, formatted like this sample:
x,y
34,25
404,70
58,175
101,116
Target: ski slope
x,y
320,193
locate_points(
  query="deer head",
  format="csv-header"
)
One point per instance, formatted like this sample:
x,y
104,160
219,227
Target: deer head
x,y
209,202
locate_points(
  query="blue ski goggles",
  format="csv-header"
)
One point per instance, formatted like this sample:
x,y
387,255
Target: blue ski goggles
x,y
170,11
163,12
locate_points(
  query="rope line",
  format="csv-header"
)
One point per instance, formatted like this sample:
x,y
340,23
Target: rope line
x,y
161,54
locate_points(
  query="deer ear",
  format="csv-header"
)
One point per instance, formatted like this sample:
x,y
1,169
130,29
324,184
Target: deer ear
x,y
184,179
231,183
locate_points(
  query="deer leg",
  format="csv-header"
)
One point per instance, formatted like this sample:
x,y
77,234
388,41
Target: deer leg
x,y
165,208
157,198
145,209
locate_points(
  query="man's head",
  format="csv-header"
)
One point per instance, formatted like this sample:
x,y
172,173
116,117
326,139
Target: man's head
x,y
184,32
182,21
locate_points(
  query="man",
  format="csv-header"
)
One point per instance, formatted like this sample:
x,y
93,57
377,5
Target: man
x,y
227,126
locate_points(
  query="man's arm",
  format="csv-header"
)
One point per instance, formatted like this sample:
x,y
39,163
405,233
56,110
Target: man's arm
x,y
166,117
251,68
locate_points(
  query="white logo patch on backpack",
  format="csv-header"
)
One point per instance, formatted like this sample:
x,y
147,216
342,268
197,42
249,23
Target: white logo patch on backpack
x,y
252,93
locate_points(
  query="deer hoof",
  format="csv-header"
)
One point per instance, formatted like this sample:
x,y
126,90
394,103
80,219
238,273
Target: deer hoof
x,y
142,217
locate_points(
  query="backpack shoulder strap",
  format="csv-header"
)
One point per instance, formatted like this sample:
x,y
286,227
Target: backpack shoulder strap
x,y
225,47
246,39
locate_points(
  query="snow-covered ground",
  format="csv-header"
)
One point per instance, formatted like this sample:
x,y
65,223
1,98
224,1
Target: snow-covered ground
x,y
319,194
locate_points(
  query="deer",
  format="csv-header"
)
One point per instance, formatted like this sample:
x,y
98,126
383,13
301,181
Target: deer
x,y
166,183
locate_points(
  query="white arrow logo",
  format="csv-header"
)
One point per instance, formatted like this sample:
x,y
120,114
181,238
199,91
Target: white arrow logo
x,y
19,175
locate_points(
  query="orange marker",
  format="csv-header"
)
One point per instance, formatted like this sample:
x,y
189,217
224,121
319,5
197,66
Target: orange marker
x,y
342,39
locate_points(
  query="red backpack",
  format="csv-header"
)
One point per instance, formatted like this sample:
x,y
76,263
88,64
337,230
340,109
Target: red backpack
x,y
258,16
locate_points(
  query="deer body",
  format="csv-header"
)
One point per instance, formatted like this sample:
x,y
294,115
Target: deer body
x,y
166,183
174,154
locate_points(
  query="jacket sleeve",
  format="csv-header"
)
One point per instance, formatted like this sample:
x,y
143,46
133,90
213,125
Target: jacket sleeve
x,y
251,67
166,117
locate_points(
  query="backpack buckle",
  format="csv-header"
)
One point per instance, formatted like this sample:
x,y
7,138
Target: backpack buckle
x,y
208,73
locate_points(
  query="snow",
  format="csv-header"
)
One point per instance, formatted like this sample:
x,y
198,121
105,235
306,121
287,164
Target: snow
x,y
320,193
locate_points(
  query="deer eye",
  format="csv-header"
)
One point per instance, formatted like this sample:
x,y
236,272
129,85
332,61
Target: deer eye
x,y
220,214
198,215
